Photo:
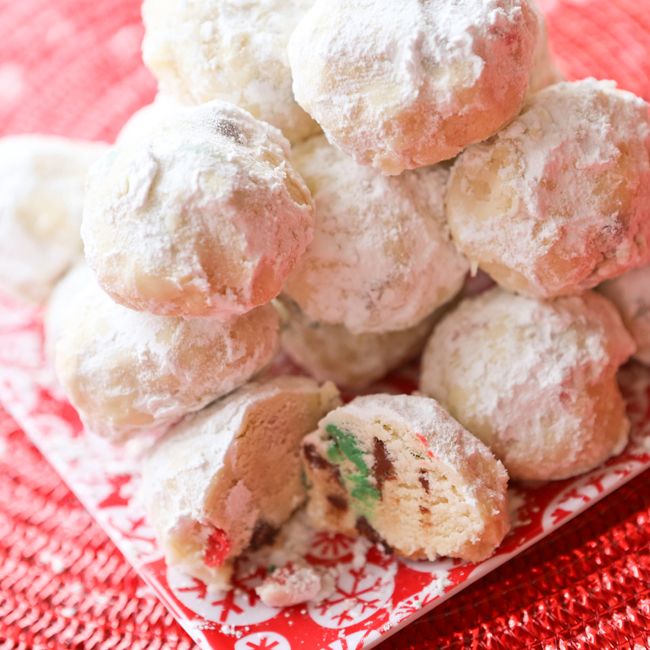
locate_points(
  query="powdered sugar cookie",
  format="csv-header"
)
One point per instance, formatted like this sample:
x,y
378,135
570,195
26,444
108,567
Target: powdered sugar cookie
x,y
544,71
631,294
400,470
399,85
560,200
127,372
148,118
41,198
225,479
351,361
535,380
230,50
381,258
202,216
65,293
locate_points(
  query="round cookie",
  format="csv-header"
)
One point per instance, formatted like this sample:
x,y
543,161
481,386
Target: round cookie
x,y
128,372
401,471
225,479
559,200
204,215
41,199
544,72
148,118
535,380
65,293
230,50
381,258
400,85
351,361
631,294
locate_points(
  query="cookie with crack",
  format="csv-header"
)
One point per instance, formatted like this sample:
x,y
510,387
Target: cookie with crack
x,y
225,479
401,471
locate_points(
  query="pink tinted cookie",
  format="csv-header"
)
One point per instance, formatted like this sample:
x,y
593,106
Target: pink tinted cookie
x,y
631,294
225,479
400,85
559,200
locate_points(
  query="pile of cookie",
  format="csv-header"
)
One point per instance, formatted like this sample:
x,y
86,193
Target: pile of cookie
x,y
324,176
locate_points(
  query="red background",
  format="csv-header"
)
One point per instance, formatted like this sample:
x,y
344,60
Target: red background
x,y
72,67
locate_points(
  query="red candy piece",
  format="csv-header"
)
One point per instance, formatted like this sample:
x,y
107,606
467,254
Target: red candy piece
x,y
216,548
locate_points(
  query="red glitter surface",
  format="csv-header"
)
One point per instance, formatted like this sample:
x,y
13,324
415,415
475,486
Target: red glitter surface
x,y
72,67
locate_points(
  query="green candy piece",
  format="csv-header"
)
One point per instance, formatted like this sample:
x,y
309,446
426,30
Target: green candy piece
x,y
345,446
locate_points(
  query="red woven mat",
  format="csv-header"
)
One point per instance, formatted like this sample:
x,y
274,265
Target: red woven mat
x,y
72,67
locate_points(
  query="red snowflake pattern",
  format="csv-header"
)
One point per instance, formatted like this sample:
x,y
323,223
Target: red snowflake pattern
x,y
329,549
359,598
264,644
362,600
228,605
130,532
116,499
246,578
197,586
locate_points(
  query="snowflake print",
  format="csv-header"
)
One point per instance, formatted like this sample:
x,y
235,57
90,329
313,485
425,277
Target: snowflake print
x,y
116,498
227,606
358,594
234,608
363,603
198,587
356,640
328,549
263,641
246,577
133,530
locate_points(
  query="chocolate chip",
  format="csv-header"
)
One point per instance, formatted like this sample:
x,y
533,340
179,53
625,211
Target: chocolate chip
x,y
338,502
424,480
314,458
263,534
364,528
318,462
384,468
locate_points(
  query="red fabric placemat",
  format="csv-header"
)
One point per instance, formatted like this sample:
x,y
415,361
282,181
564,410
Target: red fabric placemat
x,y
72,67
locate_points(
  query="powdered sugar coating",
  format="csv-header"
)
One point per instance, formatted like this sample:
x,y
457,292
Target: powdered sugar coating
x,y
231,467
535,380
41,199
128,372
234,50
400,85
430,489
202,216
290,585
560,200
381,258
148,118
351,361
65,293
631,294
